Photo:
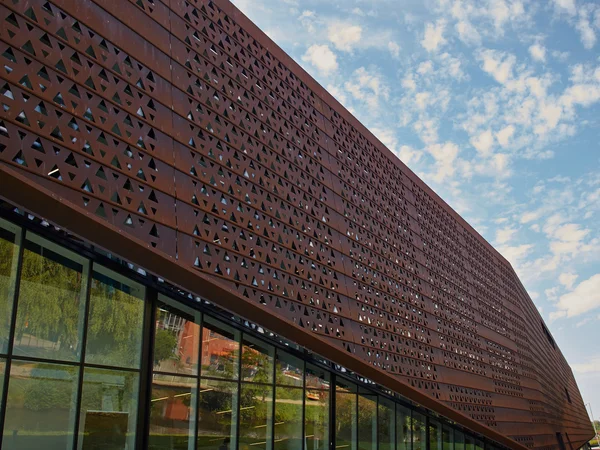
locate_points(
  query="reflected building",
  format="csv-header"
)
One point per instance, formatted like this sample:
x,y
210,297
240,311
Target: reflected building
x,y
201,249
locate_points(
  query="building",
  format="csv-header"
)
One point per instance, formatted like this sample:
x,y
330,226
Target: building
x,y
201,249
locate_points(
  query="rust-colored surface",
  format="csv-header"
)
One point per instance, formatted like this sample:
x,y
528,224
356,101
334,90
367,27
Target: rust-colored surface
x,y
179,132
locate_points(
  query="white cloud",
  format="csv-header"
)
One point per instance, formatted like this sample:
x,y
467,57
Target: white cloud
x,y
322,58
368,86
567,279
505,134
444,156
394,49
538,52
587,34
338,93
583,322
409,155
592,366
584,298
434,36
497,64
467,33
483,143
344,35
515,254
567,6
504,235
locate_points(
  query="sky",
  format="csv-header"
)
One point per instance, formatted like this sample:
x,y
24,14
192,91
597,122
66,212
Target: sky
x,y
495,104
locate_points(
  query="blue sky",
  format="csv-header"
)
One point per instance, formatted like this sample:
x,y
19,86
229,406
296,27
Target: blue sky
x,y
496,105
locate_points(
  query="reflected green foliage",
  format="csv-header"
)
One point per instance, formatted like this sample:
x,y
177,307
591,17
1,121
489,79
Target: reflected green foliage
x,y
8,257
51,296
115,323
217,411
257,362
165,346
39,407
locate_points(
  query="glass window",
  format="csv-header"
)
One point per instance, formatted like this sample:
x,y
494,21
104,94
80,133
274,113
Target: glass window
x,y
176,338
459,440
367,422
448,438
346,408
2,371
435,435
419,432
256,411
220,350
51,305
317,378
217,415
479,445
289,370
386,422
469,442
288,418
257,361
108,415
316,409
40,406
114,335
172,412
10,236
403,428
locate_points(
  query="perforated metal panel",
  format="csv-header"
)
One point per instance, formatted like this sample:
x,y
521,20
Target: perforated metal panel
x,y
183,125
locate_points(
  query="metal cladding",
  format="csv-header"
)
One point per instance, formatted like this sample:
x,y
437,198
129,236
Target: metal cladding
x,y
183,125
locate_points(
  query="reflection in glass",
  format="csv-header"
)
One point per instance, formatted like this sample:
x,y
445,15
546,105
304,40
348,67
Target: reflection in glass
x,y
10,235
469,442
51,305
177,338
172,413
403,428
217,415
419,433
386,422
288,369
459,440
288,418
2,371
435,435
108,410
316,378
220,350
345,416
40,406
367,422
256,426
115,320
257,361
316,416
448,438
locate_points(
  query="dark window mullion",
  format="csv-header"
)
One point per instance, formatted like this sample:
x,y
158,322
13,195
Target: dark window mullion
x,y
147,364
198,383
239,393
11,334
303,442
88,288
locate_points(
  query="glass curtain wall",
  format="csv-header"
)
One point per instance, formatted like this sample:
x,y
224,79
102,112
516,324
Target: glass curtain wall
x,y
73,363
70,338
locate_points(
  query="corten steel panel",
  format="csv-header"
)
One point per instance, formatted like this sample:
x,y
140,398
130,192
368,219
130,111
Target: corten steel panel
x,y
178,135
